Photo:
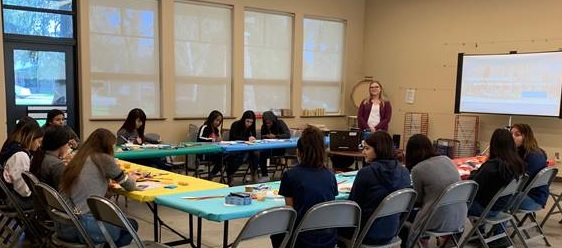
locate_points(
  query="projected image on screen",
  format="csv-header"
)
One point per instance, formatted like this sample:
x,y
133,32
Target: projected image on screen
x,y
515,84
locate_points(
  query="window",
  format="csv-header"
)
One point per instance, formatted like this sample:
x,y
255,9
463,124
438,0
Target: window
x,y
267,60
322,64
203,56
124,57
38,18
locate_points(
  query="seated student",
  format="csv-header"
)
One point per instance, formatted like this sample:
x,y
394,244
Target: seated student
x,y
272,128
132,131
502,166
88,174
243,129
535,161
382,176
210,131
15,159
431,174
47,163
55,117
308,184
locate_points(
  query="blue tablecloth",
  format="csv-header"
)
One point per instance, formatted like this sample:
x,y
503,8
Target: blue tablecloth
x,y
259,145
216,210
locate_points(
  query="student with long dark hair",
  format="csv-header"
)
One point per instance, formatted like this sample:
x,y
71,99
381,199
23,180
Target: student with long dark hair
x,y
431,175
243,129
383,175
535,160
47,163
132,131
55,117
88,174
308,184
210,131
502,166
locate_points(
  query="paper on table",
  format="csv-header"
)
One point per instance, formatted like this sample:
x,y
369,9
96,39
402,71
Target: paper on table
x,y
149,185
345,187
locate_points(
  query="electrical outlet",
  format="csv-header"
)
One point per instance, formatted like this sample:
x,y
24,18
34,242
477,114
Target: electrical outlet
x,y
557,156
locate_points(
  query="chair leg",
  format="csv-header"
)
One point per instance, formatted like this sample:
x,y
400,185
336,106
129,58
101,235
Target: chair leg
x,y
555,206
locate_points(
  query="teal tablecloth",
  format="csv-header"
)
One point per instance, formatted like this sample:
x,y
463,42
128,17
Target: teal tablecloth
x,y
158,153
216,210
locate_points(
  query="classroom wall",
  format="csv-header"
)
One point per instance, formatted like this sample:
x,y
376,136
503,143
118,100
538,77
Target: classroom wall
x,y
176,130
411,44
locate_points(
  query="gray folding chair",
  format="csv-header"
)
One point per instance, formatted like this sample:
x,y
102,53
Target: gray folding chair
x,y
24,216
555,209
41,216
268,222
331,214
511,191
398,202
61,213
105,211
462,192
543,178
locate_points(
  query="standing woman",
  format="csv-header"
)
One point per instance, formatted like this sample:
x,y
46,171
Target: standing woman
x,y
384,175
210,131
88,174
308,184
243,129
375,111
15,158
431,174
535,159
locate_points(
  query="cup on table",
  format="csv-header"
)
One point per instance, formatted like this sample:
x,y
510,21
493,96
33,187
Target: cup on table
x,y
260,195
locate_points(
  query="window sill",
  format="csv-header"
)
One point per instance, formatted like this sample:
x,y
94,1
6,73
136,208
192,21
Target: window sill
x,y
321,116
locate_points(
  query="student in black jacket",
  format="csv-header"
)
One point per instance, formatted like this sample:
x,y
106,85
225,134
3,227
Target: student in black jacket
x,y
243,129
272,128
210,131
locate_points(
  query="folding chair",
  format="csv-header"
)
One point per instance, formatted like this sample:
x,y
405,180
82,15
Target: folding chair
x,y
510,191
543,178
106,211
398,202
61,213
12,227
331,214
462,192
41,215
555,209
24,216
268,222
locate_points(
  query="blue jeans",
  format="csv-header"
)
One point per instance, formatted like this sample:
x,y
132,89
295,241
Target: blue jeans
x,y
121,237
529,204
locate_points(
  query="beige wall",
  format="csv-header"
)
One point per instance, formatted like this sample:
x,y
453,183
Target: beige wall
x,y
414,44
176,130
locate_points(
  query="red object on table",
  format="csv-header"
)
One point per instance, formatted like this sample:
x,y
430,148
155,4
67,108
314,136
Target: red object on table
x,y
468,164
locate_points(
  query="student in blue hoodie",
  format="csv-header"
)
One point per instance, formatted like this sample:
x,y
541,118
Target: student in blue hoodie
x,y
535,160
373,183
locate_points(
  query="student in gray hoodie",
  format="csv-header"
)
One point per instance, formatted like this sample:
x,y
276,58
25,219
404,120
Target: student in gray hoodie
x,y
272,128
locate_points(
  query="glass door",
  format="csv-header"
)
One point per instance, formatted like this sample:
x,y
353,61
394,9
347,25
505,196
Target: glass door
x,y
39,77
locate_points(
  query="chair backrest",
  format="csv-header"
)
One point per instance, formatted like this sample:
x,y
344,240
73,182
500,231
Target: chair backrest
x,y
106,211
270,221
398,202
61,212
511,189
14,203
331,214
192,132
152,138
543,178
39,202
457,192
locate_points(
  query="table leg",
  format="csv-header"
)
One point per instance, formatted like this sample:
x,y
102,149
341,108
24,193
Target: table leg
x,y
199,223
225,235
155,221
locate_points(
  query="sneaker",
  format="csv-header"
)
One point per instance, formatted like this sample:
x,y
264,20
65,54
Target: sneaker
x,y
263,179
